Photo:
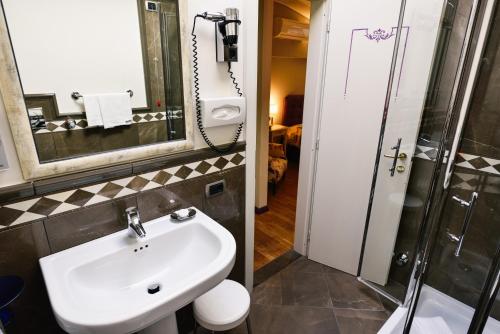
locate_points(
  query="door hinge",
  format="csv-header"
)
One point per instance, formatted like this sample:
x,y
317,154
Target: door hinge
x,y
328,23
317,145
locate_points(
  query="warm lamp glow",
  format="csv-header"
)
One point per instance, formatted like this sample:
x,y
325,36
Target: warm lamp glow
x,y
273,109
273,112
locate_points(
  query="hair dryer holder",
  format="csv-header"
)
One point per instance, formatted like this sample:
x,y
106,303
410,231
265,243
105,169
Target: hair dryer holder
x,y
226,47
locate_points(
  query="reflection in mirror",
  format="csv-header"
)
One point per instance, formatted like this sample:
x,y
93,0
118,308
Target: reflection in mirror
x,y
97,75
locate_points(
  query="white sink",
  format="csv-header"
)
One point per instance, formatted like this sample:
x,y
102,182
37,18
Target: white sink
x,y
102,286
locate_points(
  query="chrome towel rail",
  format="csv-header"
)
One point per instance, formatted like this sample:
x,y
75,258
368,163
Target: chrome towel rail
x,y
77,95
459,239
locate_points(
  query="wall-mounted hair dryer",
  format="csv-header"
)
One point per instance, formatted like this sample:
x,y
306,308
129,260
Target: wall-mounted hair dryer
x,y
220,111
227,36
226,33
213,16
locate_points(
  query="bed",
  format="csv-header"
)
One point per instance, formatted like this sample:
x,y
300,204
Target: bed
x,y
292,118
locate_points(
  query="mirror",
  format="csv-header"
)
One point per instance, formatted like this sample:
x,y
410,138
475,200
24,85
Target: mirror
x,y
98,75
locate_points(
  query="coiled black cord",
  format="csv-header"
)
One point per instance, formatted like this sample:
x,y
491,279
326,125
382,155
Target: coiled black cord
x,y
196,79
235,83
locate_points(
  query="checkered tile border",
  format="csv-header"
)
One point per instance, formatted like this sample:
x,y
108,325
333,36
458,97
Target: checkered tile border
x,y
468,161
425,152
476,182
50,205
479,163
81,123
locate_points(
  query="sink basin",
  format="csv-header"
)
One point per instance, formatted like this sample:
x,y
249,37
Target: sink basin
x,y
117,284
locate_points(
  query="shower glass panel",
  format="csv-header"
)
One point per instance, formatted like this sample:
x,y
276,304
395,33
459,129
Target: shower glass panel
x,y
442,77
468,219
413,68
440,101
494,303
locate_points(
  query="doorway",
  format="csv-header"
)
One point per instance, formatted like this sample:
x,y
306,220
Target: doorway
x,y
284,36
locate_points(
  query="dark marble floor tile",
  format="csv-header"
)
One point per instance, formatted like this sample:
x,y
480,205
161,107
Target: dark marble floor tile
x,y
291,320
305,265
347,292
274,267
269,292
331,270
299,300
359,322
305,289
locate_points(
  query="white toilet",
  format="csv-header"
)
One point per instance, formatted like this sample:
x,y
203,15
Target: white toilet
x,y
223,308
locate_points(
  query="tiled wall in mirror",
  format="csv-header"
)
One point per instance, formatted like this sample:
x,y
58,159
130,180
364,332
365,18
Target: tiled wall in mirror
x,y
97,75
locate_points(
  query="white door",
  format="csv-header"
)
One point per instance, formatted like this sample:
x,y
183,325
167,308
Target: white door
x,y
421,20
361,45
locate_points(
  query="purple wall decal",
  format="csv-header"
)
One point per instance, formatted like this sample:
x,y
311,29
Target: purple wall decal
x,y
377,36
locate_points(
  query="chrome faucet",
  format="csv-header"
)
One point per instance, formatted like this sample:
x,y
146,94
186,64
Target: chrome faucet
x,y
135,228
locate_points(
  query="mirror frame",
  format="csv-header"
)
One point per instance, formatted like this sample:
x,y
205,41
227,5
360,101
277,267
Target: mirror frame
x,y
15,108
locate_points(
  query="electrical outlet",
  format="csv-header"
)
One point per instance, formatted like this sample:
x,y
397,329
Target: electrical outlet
x,y
152,6
215,188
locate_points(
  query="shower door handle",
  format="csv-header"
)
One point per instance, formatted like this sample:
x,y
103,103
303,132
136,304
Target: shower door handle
x,y
465,225
396,156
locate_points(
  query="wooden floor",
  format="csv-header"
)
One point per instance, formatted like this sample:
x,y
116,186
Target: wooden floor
x,y
274,229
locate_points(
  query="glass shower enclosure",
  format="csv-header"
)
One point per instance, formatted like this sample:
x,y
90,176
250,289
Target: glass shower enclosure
x,y
445,264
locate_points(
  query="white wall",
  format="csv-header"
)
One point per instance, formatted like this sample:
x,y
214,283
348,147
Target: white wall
x,y
87,46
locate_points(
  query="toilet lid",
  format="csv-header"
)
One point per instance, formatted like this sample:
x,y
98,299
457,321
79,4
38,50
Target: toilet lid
x,y
224,307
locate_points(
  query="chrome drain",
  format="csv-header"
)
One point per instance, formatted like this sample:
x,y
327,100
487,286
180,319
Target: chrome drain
x,y
154,288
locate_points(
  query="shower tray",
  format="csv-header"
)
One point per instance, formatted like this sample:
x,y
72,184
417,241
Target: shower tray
x,y
437,313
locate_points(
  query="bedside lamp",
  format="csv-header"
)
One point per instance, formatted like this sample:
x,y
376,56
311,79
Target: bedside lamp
x,y
273,111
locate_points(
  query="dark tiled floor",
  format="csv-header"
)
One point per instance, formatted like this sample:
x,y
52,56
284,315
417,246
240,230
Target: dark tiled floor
x,y
309,298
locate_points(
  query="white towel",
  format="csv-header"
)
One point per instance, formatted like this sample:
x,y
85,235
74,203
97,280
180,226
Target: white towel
x,y
92,110
116,109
